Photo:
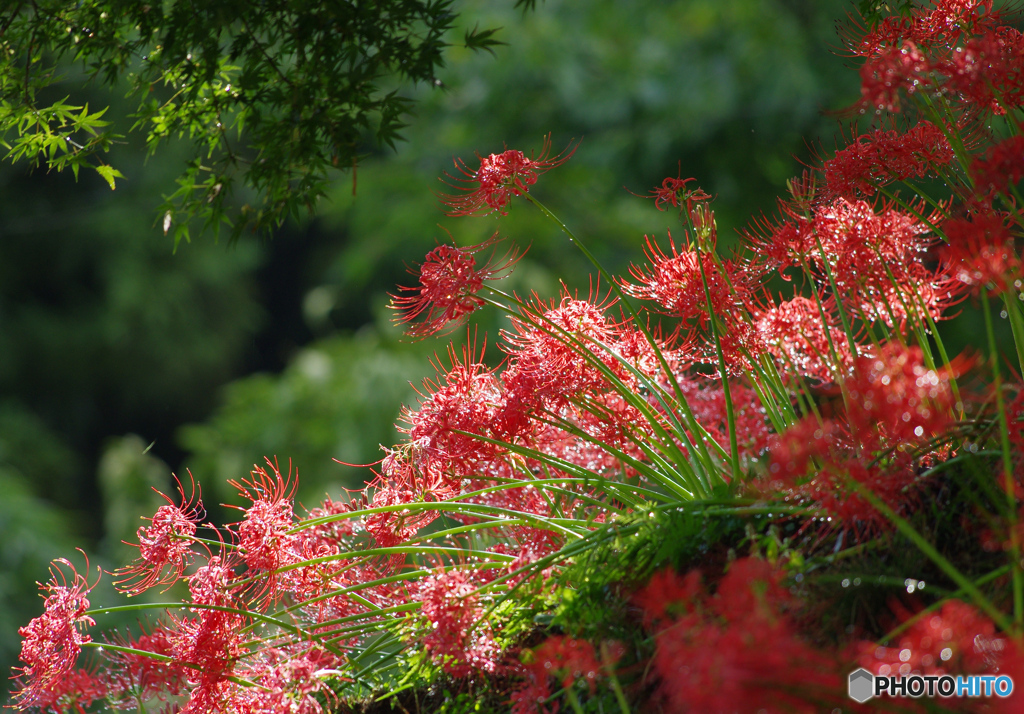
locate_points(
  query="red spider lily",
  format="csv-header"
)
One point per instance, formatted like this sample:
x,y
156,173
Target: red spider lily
x,y
874,160
52,642
293,682
668,595
819,462
165,546
674,191
794,334
210,645
943,25
133,677
959,47
706,398
957,639
675,283
401,483
499,178
1001,167
457,640
564,658
889,71
896,399
735,651
74,691
466,401
873,254
449,281
896,484
792,451
552,350
988,70
263,532
981,251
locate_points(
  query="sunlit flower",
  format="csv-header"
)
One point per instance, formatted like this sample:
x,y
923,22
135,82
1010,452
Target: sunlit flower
x,y
458,639
165,547
452,411
449,280
52,642
263,535
499,178
682,281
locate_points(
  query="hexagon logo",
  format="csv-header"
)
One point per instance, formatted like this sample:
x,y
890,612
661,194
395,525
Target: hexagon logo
x,y
861,685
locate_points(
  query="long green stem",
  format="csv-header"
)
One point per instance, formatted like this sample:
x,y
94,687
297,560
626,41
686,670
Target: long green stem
x,y
627,305
1008,481
730,416
922,543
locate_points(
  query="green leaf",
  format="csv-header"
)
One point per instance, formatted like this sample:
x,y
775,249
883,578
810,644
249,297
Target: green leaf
x,y
109,173
477,39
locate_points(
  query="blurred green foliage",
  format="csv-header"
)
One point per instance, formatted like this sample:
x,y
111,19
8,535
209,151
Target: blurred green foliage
x,y
337,399
33,530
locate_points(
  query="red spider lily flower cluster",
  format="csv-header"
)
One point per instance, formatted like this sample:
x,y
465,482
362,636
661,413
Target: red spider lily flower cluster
x,y
1001,167
961,50
566,659
955,639
52,642
675,192
449,280
877,159
981,253
490,187
165,547
736,650
873,256
457,638
894,403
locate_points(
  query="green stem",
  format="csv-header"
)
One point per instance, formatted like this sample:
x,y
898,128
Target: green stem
x,y
1008,482
730,416
1013,310
574,701
681,399
965,583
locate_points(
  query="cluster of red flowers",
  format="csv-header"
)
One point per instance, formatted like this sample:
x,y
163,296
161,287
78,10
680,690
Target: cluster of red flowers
x,y
736,650
52,642
684,378
874,160
962,49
